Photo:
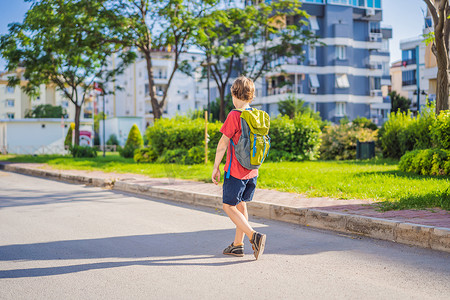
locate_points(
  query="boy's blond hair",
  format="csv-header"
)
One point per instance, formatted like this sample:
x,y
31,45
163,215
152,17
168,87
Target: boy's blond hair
x,y
243,89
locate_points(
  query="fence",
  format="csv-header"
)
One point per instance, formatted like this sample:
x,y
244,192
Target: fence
x,y
34,150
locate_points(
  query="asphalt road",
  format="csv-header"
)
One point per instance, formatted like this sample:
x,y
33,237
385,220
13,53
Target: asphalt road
x,y
66,241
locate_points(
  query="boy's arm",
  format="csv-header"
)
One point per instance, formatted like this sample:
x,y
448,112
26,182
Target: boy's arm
x,y
221,148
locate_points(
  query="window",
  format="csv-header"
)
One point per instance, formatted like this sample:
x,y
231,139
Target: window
x,y
409,57
313,23
345,2
312,53
147,90
340,53
10,89
315,1
374,27
10,115
314,81
409,78
385,45
385,68
9,103
340,109
342,81
375,83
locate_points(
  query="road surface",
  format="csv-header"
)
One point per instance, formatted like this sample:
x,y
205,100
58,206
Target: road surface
x,y
67,241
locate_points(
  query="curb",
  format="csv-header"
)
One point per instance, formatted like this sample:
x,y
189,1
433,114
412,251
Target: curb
x,y
435,238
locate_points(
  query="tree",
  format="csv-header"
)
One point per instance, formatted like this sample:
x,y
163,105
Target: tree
x,y
154,25
66,43
292,106
440,12
247,40
134,137
399,102
69,136
46,111
215,107
134,141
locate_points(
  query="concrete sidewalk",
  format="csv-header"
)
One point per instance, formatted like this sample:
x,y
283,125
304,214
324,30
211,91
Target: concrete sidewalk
x,y
424,228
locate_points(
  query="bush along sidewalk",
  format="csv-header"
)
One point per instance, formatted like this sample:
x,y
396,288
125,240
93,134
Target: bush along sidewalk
x,y
402,132
134,142
339,141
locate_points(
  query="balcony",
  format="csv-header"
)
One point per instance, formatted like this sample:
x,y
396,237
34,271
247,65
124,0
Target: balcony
x,y
409,82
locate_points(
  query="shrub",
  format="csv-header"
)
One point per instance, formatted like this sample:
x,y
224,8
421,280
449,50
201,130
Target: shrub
x,y
402,133
83,151
294,139
426,162
440,132
196,155
339,141
362,122
127,151
134,141
69,136
145,155
182,133
173,156
112,140
393,137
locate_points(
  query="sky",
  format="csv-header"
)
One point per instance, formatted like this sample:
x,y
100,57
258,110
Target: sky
x,y
405,17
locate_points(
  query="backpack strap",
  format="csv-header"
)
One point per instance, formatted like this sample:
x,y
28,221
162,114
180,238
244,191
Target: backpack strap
x,y
231,157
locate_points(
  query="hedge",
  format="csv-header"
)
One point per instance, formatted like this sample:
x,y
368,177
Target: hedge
x,y
426,162
294,139
182,139
402,133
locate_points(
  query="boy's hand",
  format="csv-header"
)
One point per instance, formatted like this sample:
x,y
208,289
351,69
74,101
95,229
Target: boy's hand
x,y
216,176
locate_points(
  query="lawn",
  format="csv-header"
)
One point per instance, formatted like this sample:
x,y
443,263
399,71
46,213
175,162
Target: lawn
x,y
377,179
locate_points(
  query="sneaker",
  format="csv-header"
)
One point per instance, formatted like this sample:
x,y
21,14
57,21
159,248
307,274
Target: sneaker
x,y
258,242
234,250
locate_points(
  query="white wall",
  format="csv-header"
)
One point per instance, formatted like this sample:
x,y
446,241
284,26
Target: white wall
x,y
32,136
120,126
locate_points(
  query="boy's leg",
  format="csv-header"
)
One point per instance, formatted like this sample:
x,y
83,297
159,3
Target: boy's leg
x,y
238,219
239,238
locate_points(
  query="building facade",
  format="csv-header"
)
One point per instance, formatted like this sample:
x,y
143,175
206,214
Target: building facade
x,y
131,94
418,69
15,103
343,77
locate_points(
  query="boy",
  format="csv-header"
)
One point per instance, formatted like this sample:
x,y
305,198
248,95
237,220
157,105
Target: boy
x,y
240,186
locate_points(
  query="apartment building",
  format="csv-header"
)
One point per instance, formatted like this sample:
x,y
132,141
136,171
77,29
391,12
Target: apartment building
x,y
344,78
131,94
418,69
15,103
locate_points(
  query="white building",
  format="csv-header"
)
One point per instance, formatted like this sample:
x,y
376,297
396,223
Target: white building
x,y
186,93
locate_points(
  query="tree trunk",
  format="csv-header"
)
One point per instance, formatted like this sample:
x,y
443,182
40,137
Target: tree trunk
x,y
77,124
442,76
157,112
222,116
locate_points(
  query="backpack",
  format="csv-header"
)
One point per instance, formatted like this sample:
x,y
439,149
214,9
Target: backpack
x,y
254,143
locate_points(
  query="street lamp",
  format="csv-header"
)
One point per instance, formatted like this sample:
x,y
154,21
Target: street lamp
x,y
419,92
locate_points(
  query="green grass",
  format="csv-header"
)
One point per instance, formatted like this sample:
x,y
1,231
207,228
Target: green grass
x,y
377,179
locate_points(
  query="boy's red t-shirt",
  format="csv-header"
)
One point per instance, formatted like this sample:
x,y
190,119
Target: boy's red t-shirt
x,y
232,129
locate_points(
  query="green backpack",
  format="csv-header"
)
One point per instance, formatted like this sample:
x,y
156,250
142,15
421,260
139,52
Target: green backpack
x,y
254,144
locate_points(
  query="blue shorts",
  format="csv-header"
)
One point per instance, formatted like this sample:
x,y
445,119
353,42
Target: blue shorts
x,y
237,190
